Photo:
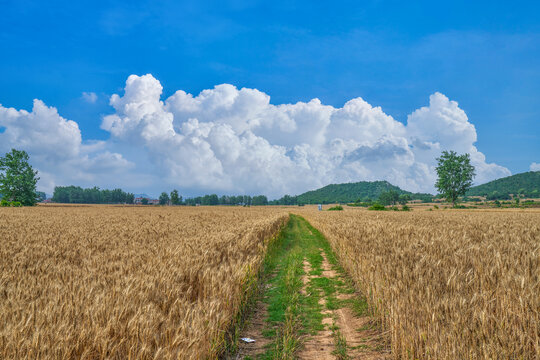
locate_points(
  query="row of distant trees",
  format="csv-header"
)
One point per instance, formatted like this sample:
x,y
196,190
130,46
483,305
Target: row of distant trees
x,y
95,195
496,195
78,195
455,175
390,197
212,199
18,186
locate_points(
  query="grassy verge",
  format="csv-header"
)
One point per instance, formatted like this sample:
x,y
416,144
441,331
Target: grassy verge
x,y
290,314
253,291
283,295
293,315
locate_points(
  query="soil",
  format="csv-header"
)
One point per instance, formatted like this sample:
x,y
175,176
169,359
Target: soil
x,y
321,345
254,331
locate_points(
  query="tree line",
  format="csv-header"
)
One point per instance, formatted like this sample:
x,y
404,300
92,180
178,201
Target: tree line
x,y
18,187
95,195
520,185
214,199
78,195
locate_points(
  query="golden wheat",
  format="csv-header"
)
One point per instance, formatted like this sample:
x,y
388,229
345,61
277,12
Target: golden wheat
x,y
123,283
446,284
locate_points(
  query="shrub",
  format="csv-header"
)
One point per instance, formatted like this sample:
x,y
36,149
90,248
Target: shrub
x,y
15,204
336,208
4,203
377,207
435,207
405,208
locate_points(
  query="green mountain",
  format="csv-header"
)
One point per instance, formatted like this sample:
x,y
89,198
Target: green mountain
x,y
350,192
527,183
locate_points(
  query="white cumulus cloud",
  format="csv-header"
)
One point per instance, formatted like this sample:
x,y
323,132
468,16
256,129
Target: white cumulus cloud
x,y
231,140
534,167
444,126
56,148
89,97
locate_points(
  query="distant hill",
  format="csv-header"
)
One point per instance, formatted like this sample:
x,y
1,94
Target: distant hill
x,y
527,183
350,192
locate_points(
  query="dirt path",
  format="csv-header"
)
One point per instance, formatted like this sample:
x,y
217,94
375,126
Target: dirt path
x,y
346,334
321,345
310,309
363,338
254,330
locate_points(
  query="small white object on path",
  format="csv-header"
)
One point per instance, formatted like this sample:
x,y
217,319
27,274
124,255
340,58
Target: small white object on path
x,y
248,340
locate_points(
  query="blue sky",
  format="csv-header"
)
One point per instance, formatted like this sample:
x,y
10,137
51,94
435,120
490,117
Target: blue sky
x,y
485,55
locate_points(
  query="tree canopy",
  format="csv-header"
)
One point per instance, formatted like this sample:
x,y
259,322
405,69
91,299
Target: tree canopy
x,y
17,178
163,198
390,197
455,175
526,184
354,192
78,195
213,199
175,198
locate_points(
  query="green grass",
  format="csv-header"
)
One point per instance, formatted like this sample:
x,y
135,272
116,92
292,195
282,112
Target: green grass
x,y
292,315
253,291
341,345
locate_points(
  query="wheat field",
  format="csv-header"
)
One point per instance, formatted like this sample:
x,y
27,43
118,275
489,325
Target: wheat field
x,y
94,282
100,282
450,284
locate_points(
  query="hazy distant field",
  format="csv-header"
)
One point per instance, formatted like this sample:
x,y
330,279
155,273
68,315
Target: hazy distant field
x,y
447,284
137,282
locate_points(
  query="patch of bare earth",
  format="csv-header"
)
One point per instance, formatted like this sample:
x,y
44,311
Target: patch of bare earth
x,y
254,330
364,338
328,271
320,345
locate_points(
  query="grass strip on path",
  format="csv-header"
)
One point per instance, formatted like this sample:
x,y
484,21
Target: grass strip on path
x,y
296,308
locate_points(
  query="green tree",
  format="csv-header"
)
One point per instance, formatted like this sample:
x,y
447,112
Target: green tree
x,y
144,201
78,195
175,198
163,198
17,178
260,200
390,197
41,196
404,199
455,175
